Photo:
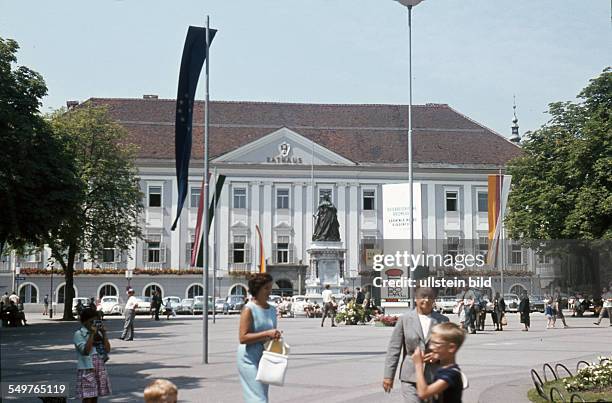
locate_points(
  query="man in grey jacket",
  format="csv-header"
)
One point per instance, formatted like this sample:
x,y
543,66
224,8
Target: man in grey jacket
x,y
411,331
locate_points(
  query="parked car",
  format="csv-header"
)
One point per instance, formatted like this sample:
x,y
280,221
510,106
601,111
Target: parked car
x,y
536,303
512,302
144,305
275,299
175,302
198,305
75,302
111,305
219,302
186,306
445,304
233,304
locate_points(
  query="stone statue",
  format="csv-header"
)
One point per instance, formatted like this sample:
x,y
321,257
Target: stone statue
x,y
327,227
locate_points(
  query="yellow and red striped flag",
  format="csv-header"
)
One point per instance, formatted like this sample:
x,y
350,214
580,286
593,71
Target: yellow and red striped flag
x,y
262,256
498,190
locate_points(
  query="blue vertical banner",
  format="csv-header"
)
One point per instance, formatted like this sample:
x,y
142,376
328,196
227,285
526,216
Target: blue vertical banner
x,y
194,55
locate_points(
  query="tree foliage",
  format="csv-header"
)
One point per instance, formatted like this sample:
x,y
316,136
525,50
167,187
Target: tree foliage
x,y
38,185
111,206
562,185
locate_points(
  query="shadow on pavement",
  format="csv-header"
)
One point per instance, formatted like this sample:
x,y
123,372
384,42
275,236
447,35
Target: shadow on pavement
x,y
43,352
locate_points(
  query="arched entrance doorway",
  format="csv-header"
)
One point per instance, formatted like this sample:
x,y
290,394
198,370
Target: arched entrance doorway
x,y
238,289
518,289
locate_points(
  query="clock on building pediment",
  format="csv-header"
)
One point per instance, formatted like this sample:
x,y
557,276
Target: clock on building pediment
x,y
283,147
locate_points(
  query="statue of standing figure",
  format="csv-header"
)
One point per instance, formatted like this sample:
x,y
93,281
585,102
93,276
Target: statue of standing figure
x,y
327,227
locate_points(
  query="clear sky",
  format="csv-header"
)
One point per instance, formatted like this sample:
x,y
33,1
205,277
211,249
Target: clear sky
x,y
471,54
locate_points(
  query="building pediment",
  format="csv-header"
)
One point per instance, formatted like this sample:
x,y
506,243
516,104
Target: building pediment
x,y
283,147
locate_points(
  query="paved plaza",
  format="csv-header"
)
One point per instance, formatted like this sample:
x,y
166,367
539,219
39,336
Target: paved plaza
x,y
326,364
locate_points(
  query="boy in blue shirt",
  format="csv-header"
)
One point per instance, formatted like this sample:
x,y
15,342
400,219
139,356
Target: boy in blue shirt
x,y
447,385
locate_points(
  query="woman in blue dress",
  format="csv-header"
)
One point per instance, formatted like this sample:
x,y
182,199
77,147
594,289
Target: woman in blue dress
x,y
257,325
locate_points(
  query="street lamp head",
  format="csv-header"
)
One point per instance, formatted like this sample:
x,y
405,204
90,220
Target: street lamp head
x,y
409,3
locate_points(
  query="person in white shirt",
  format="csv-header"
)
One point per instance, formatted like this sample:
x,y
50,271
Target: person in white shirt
x,y
130,314
328,307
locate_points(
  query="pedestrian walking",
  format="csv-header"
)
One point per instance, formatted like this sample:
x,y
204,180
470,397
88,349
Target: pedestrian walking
x,y
328,307
412,331
360,297
548,312
130,314
499,307
156,303
558,310
92,377
606,296
46,304
524,311
257,325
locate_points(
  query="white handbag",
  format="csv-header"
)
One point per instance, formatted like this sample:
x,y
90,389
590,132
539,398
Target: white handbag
x,y
273,363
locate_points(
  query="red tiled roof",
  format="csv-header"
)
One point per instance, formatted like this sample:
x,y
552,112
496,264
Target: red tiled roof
x,y
361,133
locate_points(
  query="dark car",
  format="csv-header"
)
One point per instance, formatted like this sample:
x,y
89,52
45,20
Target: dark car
x,y
233,304
536,303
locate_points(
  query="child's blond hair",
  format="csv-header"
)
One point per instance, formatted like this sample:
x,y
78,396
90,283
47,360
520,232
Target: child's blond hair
x,y
161,391
450,333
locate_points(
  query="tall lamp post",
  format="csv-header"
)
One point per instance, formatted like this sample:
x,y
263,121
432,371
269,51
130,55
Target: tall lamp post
x,y
409,4
16,274
50,267
128,275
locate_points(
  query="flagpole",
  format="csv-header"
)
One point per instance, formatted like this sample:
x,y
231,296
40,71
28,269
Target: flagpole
x,y
206,202
214,259
501,231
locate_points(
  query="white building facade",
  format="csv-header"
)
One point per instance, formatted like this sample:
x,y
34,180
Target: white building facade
x,y
279,160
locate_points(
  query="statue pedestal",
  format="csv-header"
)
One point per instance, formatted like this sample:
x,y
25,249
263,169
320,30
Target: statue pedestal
x,y
326,267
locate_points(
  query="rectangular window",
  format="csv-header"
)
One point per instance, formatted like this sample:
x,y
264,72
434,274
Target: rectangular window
x,y
369,197
544,259
483,202
516,254
153,252
483,246
35,256
452,246
239,198
239,249
155,199
282,249
189,249
195,197
451,201
108,253
323,193
282,198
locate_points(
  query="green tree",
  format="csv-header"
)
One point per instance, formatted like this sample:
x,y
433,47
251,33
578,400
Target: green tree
x,y
562,185
111,206
38,185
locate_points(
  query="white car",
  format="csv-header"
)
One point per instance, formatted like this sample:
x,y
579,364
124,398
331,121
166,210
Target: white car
x,y
144,305
75,302
275,299
111,305
297,304
512,302
175,302
446,304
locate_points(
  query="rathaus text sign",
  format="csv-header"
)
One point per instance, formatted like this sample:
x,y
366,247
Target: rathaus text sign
x,y
284,156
